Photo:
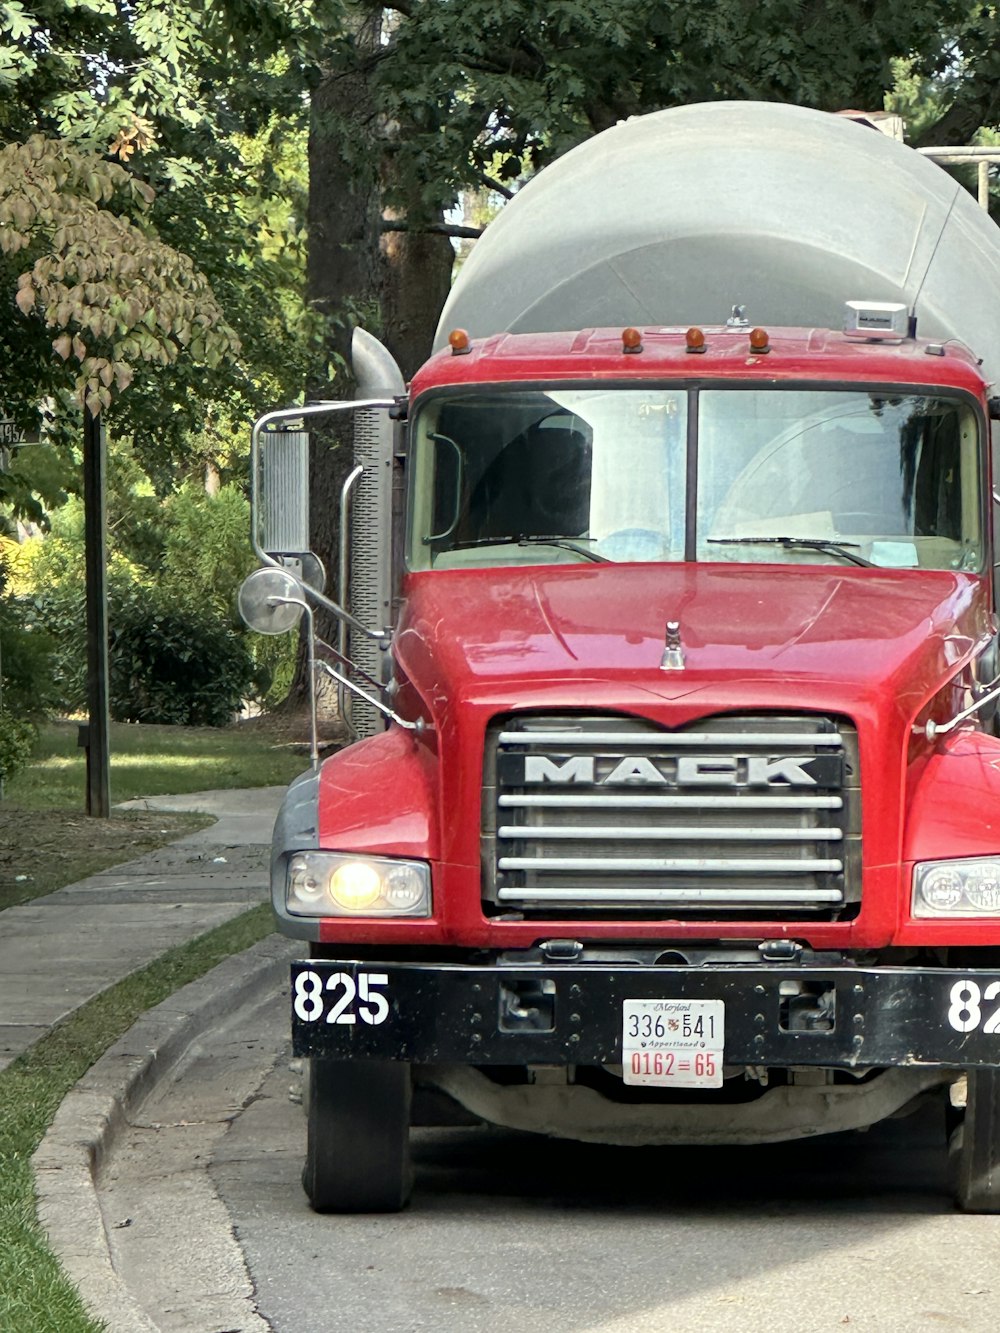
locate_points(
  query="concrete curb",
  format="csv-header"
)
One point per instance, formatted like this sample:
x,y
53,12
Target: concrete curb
x,y
69,1160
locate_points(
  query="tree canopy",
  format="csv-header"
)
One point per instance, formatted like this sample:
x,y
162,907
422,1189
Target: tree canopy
x,y
489,90
495,88
202,106
152,196
107,287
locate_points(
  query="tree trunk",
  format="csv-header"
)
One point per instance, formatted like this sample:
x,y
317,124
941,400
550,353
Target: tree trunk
x,y
416,277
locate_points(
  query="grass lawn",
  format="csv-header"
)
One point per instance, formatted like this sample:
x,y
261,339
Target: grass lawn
x,y
46,838
156,761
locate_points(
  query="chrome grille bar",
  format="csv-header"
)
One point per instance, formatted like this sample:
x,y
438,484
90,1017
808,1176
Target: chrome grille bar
x,y
771,740
668,896
612,802
594,833
667,865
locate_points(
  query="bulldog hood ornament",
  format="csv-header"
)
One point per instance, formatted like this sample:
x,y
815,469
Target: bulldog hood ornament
x,y
673,651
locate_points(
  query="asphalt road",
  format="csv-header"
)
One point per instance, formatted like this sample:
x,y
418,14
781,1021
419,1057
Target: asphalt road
x,y
507,1232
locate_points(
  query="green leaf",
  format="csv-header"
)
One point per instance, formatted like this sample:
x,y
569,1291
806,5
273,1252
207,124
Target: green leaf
x,y
92,6
16,21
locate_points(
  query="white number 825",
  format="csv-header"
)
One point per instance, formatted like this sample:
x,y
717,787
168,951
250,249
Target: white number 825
x,y
362,998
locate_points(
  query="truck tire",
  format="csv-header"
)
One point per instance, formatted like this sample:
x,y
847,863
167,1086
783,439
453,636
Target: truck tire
x,y
975,1146
358,1136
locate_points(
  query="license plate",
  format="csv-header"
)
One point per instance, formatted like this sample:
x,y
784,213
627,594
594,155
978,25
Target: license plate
x,y
673,1043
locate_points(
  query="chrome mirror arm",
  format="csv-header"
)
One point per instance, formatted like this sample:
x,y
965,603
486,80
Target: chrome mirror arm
x,y
313,729
934,729
418,726
347,664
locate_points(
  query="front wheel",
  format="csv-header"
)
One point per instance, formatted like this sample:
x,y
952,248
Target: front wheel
x,y
975,1145
358,1136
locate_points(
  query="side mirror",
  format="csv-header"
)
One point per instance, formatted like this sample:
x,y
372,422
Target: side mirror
x,y
283,488
271,601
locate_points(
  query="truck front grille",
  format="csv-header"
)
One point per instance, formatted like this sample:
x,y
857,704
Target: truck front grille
x,y
732,816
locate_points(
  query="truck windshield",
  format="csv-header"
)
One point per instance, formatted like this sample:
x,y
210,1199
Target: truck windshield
x,y
784,475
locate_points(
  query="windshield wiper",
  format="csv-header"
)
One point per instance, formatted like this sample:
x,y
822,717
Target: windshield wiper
x,y
808,543
568,544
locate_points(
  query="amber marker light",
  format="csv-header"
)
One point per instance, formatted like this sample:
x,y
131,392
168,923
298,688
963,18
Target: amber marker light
x,y
458,341
631,340
759,341
695,339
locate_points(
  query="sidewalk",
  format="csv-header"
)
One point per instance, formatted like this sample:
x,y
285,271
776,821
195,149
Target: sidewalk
x,y
58,952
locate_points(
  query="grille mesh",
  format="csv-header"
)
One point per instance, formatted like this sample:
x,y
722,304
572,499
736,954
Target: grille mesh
x,y
733,816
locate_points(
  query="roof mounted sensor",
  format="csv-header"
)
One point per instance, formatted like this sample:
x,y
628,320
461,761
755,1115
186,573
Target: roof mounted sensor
x,y
883,321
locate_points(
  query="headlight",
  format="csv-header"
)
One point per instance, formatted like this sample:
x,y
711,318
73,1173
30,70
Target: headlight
x,y
957,888
337,884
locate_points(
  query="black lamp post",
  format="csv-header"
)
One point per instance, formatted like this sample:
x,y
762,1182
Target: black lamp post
x,y
96,543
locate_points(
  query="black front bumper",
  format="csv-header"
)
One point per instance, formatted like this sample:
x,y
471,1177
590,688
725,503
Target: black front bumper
x,y
572,1014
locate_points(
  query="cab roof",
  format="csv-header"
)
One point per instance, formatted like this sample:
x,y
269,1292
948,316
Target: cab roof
x,y
794,354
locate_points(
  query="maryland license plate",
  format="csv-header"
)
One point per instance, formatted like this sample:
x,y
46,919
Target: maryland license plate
x,y
673,1043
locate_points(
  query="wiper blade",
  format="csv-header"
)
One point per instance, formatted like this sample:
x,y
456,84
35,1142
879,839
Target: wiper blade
x,y
808,543
569,544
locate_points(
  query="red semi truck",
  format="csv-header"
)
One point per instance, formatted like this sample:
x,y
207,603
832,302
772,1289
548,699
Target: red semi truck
x,y
674,815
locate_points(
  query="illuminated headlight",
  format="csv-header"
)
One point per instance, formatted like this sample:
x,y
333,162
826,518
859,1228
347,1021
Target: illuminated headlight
x,y
957,888
335,884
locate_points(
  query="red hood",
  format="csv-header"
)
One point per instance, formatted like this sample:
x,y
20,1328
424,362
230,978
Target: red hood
x,y
792,636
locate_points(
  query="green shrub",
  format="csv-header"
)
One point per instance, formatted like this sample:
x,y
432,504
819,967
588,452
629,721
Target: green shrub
x,y
172,661
202,553
27,683
52,603
28,663
207,545
25,677
58,618
17,736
